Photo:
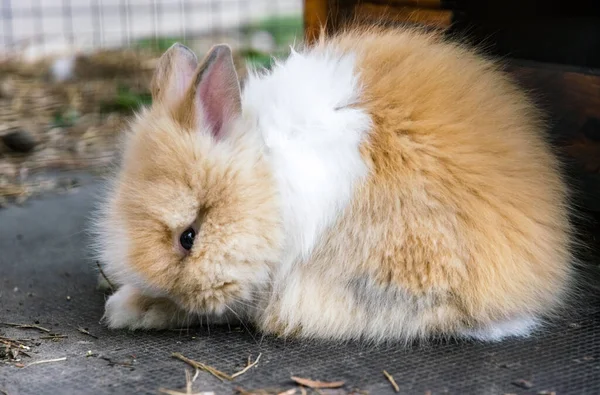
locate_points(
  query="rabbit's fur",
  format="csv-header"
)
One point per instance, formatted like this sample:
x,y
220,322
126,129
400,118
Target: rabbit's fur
x,y
381,184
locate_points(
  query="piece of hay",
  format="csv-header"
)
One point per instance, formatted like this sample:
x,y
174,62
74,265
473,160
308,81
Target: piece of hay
x,y
188,386
86,332
215,372
317,384
199,365
26,326
14,343
46,361
392,381
248,367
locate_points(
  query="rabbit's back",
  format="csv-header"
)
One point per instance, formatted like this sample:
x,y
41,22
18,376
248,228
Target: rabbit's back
x,y
462,224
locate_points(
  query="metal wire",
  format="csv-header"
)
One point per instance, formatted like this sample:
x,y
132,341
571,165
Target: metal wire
x,y
122,23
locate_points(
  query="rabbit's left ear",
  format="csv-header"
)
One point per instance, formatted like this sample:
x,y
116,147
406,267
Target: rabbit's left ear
x,y
214,97
173,75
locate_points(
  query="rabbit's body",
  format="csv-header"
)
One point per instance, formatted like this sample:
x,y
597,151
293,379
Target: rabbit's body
x,y
379,185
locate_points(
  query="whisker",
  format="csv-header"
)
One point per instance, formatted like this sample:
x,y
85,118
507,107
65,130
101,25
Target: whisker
x,y
174,320
243,324
188,321
245,303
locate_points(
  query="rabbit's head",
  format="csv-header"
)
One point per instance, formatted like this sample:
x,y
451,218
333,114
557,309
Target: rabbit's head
x,y
193,214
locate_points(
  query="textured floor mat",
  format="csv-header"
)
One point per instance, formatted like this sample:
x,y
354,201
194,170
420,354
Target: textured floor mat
x,y
45,278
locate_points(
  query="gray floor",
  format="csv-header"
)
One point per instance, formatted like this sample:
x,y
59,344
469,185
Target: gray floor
x,y
43,264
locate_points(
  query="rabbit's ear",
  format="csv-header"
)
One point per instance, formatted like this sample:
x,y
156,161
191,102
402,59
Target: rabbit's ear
x,y
173,75
215,97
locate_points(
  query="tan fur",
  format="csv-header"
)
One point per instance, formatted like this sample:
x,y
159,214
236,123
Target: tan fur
x,y
174,175
461,223
465,209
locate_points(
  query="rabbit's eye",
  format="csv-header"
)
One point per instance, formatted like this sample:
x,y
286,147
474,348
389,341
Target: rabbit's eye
x,y
187,238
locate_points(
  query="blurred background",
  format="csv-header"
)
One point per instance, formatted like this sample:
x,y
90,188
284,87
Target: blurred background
x,y
73,71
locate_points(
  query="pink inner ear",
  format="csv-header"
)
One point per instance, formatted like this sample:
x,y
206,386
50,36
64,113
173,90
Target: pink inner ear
x,y
213,104
218,93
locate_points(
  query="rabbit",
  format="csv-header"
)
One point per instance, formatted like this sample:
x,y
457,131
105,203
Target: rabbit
x,y
380,184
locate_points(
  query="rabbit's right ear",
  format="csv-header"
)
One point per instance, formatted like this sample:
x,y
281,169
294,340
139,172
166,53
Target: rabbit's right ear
x,y
173,75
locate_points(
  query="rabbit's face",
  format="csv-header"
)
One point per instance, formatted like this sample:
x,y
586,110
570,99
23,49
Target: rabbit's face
x,y
200,218
195,206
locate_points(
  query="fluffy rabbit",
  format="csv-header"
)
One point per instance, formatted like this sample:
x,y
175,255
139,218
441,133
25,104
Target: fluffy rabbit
x,y
379,185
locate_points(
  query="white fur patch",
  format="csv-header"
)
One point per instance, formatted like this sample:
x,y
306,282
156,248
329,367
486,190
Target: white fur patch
x,y
312,134
520,327
111,245
122,312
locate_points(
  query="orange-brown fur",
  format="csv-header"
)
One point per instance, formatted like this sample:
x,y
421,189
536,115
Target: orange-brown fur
x,y
465,206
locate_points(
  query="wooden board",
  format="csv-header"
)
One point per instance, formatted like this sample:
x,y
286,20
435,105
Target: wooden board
x,y
403,14
411,3
334,14
315,17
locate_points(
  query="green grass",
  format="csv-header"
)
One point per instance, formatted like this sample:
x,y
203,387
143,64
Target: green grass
x,y
126,101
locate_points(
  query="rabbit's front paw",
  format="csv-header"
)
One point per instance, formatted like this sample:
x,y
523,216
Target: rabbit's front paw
x,y
128,308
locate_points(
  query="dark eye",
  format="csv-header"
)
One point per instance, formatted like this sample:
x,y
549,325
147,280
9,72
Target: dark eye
x,y
187,238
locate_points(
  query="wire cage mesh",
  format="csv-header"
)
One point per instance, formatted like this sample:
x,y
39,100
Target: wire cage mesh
x,y
43,27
